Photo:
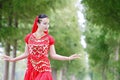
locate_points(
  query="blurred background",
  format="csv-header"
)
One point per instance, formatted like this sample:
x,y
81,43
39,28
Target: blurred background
x,y
90,28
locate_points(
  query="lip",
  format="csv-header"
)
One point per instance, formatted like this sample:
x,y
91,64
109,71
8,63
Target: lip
x,y
46,29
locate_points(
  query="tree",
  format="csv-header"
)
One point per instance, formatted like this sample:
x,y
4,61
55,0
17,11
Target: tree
x,y
102,18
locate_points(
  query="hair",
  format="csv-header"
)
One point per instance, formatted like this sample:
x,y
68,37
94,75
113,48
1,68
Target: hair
x,y
41,16
38,19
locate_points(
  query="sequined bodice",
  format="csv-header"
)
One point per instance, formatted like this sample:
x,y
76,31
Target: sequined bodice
x,y
38,53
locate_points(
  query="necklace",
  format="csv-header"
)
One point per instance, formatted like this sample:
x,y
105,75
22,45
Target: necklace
x,y
38,35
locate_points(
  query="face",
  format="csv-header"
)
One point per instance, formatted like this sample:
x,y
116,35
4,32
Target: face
x,y
44,24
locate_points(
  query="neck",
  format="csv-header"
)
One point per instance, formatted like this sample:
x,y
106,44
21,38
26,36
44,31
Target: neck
x,y
39,34
39,31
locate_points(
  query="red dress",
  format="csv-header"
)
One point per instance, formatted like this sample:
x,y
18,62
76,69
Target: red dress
x,y
38,64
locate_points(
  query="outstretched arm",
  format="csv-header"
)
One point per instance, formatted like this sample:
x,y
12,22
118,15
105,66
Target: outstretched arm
x,y
23,56
53,55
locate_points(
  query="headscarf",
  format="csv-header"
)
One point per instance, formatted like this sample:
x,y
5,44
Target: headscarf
x,y
35,27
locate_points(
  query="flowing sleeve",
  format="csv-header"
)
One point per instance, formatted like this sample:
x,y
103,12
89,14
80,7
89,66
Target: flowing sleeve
x,y
27,38
51,40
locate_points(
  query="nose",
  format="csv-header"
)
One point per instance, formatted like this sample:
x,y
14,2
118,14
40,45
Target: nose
x,y
47,26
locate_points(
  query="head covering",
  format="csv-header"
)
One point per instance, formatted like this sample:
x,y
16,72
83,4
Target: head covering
x,y
35,27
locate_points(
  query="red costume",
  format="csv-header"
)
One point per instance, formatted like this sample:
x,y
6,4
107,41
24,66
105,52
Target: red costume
x,y
38,64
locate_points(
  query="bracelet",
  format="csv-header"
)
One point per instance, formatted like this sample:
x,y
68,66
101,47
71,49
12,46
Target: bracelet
x,y
69,58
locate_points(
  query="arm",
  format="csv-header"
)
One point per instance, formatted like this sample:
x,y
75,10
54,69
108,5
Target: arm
x,y
23,56
53,55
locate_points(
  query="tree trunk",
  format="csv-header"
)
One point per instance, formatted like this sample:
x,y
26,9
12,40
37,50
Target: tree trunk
x,y
117,53
72,77
14,63
6,68
117,74
60,74
7,46
64,70
104,75
54,73
14,53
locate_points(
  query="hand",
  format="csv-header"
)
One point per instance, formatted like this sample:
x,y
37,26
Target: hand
x,y
74,56
7,58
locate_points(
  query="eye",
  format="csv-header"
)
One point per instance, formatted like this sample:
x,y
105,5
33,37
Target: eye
x,y
46,23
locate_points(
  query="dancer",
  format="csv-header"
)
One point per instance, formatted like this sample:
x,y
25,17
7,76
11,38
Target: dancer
x,y
38,43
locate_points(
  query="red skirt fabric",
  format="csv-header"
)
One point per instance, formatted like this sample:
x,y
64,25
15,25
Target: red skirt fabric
x,y
35,75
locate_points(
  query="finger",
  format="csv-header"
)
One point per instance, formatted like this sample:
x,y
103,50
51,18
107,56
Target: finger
x,y
76,55
5,56
6,59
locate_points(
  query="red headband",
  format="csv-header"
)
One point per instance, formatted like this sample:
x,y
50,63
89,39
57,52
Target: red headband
x,y
34,28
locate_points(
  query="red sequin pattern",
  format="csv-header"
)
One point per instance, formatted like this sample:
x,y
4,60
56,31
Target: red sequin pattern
x,y
38,53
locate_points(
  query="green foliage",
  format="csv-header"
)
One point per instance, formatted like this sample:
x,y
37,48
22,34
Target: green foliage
x,y
9,34
97,47
103,12
66,32
102,35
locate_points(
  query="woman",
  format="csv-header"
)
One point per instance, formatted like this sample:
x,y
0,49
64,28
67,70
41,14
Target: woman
x,y
38,43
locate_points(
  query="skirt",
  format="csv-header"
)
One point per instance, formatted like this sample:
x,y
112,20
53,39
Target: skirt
x,y
32,74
